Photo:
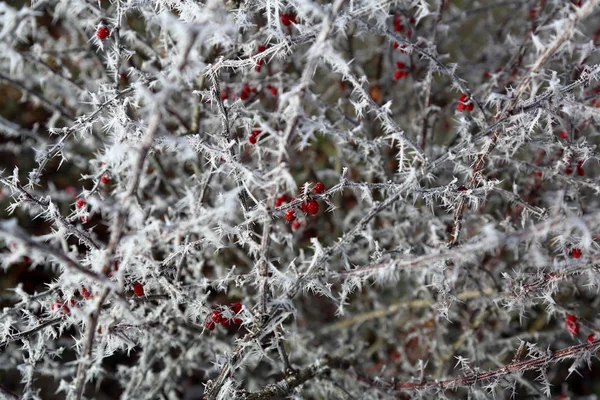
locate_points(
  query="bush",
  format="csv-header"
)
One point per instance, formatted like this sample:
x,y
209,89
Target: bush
x,y
263,200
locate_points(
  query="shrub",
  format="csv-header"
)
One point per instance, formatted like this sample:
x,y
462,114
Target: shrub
x,y
254,200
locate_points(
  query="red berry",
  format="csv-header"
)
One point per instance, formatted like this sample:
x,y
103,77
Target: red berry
x,y
486,74
290,216
102,33
237,321
398,75
80,203
538,174
243,96
463,97
86,293
576,252
319,188
261,48
280,200
105,179
236,307
591,338
138,289
296,225
395,45
571,323
216,316
258,68
580,170
462,188
312,207
469,106
400,65
225,323
252,139
85,219
564,135
209,324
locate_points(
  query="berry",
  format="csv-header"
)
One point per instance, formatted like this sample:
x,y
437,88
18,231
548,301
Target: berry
x,y
252,139
287,19
138,289
102,33
280,200
258,68
85,219
319,188
564,135
400,65
395,45
591,338
461,188
225,323
296,225
237,321
86,293
580,170
80,203
576,252
311,207
571,323
209,324
290,216
105,179
261,48
236,307
216,316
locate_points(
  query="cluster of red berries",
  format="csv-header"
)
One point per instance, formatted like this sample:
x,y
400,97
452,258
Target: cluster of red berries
x,y
246,91
571,323
216,317
260,62
254,136
596,90
579,169
287,19
464,104
399,27
310,206
401,70
271,89
63,306
102,32
395,45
